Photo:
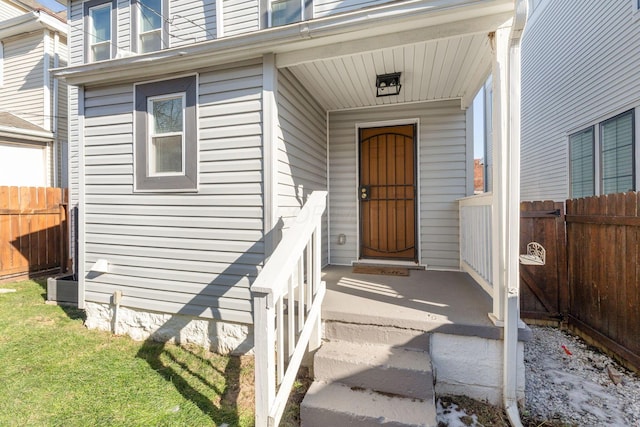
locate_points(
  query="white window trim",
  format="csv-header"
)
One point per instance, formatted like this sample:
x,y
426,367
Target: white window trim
x,y
270,15
151,133
597,148
92,29
88,28
165,39
635,8
189,182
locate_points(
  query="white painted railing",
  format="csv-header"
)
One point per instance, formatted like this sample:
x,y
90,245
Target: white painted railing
x,y
291,279
476,239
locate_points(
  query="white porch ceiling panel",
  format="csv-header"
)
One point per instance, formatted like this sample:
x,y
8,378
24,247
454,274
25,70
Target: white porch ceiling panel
x,y
440,69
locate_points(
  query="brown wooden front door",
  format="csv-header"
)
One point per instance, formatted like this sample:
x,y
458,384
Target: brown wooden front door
x,y
387,192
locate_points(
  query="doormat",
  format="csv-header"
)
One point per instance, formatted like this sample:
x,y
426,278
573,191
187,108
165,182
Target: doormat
x,y
387,271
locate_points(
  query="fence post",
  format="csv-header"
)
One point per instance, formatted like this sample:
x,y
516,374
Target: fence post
x,y
265,379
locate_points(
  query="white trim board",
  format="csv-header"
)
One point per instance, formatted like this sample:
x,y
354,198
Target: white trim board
x,y
381,123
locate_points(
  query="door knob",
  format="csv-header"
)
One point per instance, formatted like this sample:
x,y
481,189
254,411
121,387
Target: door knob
x,y
364,192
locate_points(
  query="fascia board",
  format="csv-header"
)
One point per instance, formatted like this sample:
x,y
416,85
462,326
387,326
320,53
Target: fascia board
x,y
32,135
386,19
31,21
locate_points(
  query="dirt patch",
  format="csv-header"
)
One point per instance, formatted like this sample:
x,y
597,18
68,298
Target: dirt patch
x,y
241,393
464,411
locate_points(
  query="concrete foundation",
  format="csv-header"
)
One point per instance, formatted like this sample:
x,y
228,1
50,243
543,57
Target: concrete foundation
x,y
217,336
472,366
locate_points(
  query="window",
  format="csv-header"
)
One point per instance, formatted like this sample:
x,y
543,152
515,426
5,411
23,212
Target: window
x,y
581,164
150,25
616,136
285,12
611,146
99,24
166,135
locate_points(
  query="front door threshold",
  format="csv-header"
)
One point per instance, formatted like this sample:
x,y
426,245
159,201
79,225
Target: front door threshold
x,y
389,263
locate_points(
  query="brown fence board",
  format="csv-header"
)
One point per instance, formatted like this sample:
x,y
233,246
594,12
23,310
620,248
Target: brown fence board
x,y
541,290
33,231
604,271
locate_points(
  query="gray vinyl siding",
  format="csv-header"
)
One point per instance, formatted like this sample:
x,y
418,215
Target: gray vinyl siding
x,y
123,27
192,21
580,66
323,8
76,57
302,150
240,16
22,93
442,178
188,253
76,33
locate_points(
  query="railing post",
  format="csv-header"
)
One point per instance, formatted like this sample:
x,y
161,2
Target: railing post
x,y
265,379
316,336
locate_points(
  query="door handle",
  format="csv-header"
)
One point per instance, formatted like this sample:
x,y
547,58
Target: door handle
x,y
364,192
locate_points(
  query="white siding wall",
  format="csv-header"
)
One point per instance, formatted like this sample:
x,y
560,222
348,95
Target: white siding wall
x,y
443,178
331,7
22,93
580,65
192,21
189,253
302,149
240,16
8,11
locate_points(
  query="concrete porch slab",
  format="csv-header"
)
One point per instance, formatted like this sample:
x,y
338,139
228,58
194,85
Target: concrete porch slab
x,y
446,302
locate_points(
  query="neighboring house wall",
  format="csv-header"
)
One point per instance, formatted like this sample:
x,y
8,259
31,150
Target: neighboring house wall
x,y
579,67
191,253
302,150
34,43
15,159
8,10
23,89
442,180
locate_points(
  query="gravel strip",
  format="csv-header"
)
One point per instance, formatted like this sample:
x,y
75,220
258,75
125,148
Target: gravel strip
x,y
584,388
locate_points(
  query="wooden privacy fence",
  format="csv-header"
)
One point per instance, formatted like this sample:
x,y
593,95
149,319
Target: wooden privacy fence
x,y
33,231
604,271
591,278
543,295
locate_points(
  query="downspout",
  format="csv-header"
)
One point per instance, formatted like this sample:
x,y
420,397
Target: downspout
x,y
56,136
511,306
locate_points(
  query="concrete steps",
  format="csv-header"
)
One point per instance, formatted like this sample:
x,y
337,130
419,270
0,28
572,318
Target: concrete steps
x,y
367,375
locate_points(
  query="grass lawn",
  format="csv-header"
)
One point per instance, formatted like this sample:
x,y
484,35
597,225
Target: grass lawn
x,y
55,372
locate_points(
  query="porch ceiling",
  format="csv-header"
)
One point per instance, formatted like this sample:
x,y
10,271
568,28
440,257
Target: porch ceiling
x,y
448,68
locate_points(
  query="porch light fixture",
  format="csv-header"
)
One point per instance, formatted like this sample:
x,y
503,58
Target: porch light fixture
x,y
388,84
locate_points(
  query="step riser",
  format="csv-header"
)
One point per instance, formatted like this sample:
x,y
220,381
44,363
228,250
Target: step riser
x,y
314,417
395,337
402,382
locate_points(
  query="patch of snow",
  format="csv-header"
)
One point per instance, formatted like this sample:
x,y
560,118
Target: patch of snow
x,y
452,415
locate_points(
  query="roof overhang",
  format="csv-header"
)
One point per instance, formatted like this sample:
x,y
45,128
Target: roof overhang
x,y
25,134
31,21
393,24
